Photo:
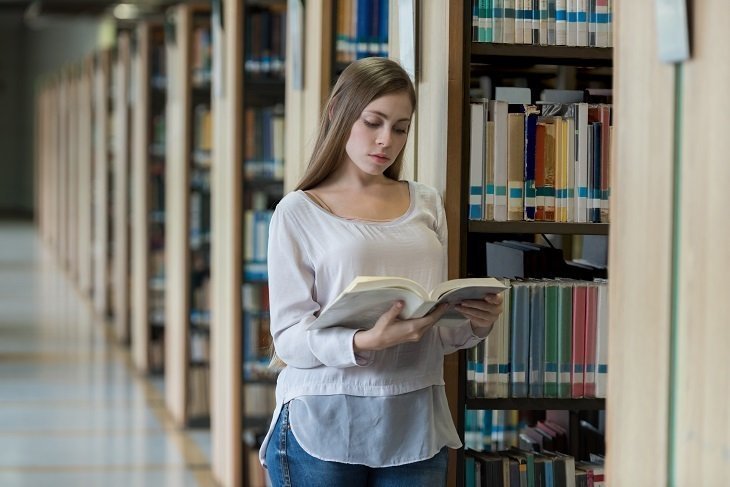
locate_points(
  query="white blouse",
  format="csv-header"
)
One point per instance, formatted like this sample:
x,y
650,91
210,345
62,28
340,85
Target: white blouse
x,y
382,408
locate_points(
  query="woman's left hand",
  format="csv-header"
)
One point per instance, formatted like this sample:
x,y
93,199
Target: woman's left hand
x,y
481,313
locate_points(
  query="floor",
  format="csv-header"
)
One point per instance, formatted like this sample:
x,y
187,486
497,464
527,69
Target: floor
x,y
72,410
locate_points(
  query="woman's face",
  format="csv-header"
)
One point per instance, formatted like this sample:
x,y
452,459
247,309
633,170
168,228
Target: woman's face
x,y
380,133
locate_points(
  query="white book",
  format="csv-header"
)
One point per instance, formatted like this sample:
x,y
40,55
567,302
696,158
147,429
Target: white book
x,y
527,17
582,23
602,25
561,22
581,163
476,161
489,171
572,37
498,114
544,22
366,298
570,182
504,348
519,22
508,31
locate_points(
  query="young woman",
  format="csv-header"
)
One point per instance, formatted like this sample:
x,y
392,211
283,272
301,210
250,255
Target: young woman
x,y
362,407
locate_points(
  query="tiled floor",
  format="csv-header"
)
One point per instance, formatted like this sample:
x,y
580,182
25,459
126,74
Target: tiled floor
x,y
72,411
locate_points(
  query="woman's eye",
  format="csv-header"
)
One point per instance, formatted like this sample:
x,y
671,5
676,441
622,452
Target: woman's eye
x,y
370,124
401,131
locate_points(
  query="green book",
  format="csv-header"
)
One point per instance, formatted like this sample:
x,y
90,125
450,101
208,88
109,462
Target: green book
x,y
551,340
564,338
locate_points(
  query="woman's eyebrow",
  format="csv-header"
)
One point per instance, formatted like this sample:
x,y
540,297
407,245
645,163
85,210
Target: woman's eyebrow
x,y
376,112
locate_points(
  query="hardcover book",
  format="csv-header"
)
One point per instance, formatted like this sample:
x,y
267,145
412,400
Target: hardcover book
x,y
367,298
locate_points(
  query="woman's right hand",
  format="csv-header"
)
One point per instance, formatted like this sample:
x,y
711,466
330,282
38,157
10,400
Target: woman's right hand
x,y
390,331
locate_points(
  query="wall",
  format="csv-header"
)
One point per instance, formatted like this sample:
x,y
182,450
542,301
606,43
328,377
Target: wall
x,y
15,179
27,53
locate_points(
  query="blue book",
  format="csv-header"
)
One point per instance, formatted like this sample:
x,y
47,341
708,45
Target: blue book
x,y
362,28
595,189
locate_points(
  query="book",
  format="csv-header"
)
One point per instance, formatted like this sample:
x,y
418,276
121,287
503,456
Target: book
x,y
366,298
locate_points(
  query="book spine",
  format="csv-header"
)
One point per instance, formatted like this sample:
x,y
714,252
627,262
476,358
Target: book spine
x,y
529,176
572,24
516,166
498,110
578,344
527,8
537,341
519,22
589,377
498,19
508,31
561,22
476,167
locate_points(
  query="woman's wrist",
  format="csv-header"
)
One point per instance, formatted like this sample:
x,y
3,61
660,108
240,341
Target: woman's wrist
x,y
480,331
363,341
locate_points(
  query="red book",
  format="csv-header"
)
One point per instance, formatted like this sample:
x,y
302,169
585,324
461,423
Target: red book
x,y
589,375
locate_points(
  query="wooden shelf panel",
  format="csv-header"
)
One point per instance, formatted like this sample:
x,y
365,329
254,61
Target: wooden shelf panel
x,y
539,227
527,54
531,403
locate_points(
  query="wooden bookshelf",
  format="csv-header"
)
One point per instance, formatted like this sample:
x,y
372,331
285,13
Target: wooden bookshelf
x,y
102,73
225,358
538,227
148,218
85,174
521,54
466,59
531,403
186,388
120,203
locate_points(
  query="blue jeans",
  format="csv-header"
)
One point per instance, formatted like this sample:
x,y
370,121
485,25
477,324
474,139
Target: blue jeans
x,y
290,466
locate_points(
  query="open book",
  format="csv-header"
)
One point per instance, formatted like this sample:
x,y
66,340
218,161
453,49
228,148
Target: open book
x,y
367,298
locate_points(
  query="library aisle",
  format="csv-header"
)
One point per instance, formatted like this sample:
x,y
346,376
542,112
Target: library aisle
x,y
72,411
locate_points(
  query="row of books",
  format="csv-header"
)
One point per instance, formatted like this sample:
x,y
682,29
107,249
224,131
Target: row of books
x,y
362,29
198,394
535,430
255,243
159,130
265,42
202,128
551,341
199,346
264,142
518,468
256,330
582,23
546,162
202,54
199,221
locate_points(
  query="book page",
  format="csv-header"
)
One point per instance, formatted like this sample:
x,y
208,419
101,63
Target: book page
x,y
457,290
362,309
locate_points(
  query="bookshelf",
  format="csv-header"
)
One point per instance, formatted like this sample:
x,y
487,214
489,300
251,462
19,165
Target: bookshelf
x,y
187,215
120,192
147,205
102,67
262,188
533,67
85,177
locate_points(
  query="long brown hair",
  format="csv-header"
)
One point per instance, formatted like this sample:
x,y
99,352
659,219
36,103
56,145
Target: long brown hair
x,y
359,84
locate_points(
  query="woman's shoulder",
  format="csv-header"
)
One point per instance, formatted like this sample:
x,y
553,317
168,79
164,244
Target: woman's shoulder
x,y
292,202
426,193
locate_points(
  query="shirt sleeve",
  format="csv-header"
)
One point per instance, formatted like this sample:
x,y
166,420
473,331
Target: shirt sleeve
x,y
293,306
462,336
